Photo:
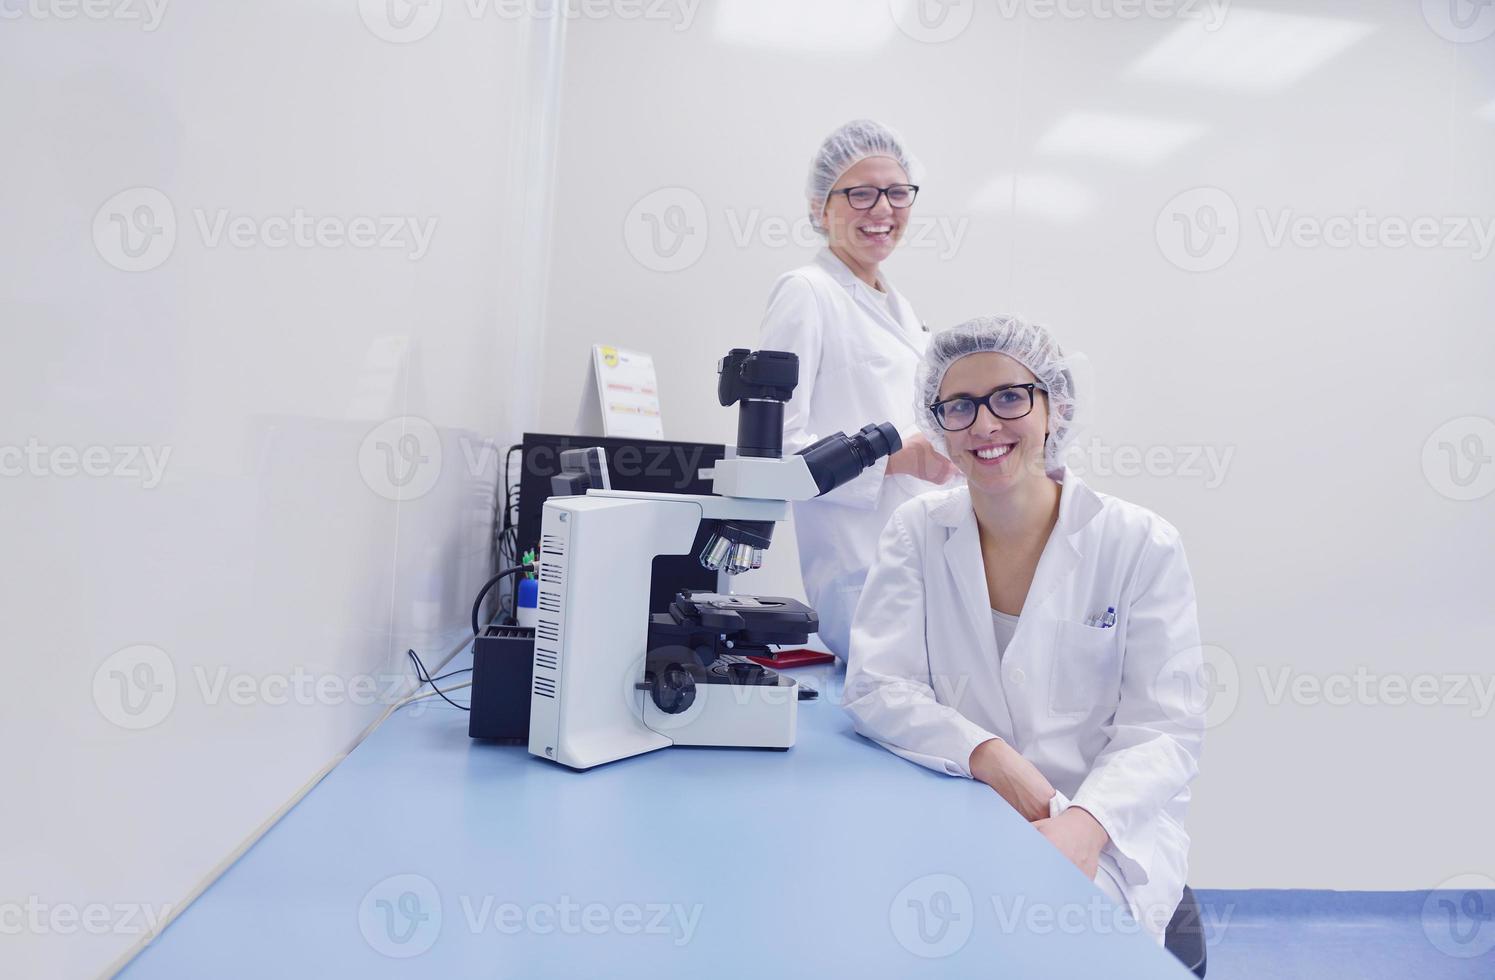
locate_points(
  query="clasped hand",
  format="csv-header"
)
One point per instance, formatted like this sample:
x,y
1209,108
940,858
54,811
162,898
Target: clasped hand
x,y
1077,834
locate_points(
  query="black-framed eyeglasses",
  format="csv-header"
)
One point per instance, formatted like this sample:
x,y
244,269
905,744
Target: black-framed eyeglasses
x,y
1009,402
864,197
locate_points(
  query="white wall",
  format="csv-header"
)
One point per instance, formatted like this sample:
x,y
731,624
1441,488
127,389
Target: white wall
x,y
275,550
1327,546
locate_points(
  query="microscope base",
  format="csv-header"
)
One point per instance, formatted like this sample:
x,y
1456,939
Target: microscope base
x,y
745,715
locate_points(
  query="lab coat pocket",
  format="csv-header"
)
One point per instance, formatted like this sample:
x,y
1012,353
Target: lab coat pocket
x,y
1086,676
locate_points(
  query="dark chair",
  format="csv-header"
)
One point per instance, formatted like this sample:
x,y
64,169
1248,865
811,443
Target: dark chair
x,y
1184,937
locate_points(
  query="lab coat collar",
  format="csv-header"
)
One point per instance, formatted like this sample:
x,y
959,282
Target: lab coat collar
x,y
863,294
838,270
1078,505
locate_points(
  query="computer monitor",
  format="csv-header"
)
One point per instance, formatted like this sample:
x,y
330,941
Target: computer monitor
x,y
652,465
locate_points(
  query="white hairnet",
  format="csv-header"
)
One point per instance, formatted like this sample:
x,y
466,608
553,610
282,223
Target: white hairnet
x,y
842,150
1030,345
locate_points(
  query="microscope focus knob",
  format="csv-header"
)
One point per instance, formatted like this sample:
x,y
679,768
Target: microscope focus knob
x,y
745,673
673,689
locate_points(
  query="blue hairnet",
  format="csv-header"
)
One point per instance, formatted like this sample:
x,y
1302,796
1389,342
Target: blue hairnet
x,y
1030,345
842,150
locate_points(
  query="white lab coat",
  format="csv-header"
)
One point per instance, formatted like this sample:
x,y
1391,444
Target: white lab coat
x,y
1102,713
856,366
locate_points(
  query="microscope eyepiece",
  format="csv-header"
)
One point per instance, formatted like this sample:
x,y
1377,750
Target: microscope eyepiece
x,y
839,458
873,442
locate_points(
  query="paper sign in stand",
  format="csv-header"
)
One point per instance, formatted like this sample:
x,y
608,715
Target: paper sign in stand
x,y
621,396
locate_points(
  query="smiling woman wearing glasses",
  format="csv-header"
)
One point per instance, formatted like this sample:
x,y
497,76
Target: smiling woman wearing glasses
x,y
1028,632
858,342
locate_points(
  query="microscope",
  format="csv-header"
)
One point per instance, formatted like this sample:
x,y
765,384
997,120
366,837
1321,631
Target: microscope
x,y
611,681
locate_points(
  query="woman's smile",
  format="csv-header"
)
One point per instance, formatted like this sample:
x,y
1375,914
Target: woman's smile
x,y
992,454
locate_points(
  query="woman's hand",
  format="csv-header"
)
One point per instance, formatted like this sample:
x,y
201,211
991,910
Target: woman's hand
x,y
1078,836
1015,779
918,458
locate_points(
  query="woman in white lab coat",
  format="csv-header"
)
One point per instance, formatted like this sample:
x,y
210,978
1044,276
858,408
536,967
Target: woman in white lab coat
x,y
1031,633
858,343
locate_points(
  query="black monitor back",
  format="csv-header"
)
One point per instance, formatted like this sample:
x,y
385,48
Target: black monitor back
x,y
650,465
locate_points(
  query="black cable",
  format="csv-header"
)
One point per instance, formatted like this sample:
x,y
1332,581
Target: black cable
x,y
451,673
425,678
506,535
509,487
508,548
478,603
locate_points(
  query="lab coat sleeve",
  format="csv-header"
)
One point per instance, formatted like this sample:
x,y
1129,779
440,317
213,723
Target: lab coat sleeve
x,y
1158,729
795,321
889,692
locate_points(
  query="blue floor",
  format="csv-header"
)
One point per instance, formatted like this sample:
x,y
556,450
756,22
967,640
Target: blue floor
x,y
1323,935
